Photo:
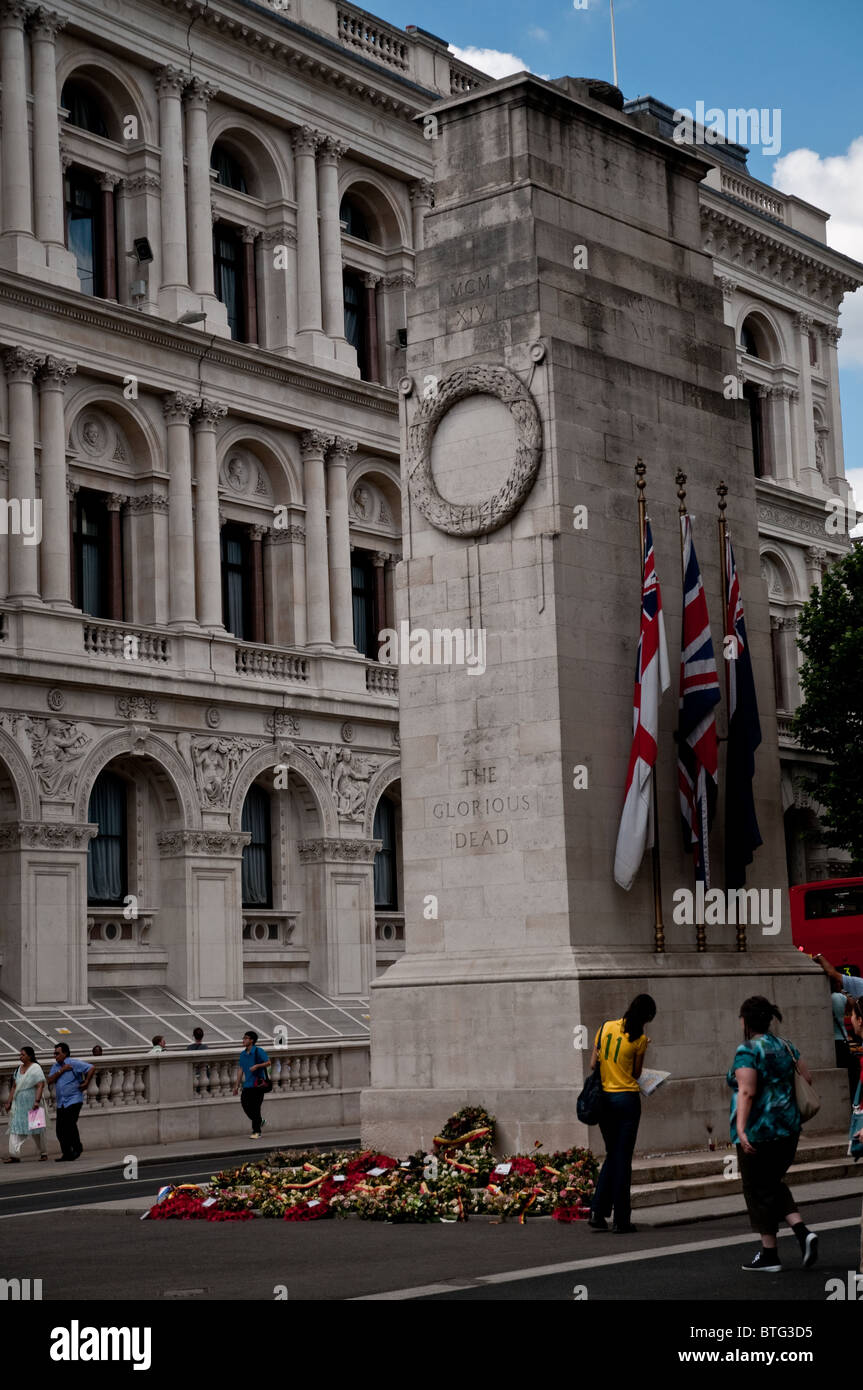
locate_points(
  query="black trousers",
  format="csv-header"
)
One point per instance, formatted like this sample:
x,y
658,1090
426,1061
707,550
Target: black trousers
x,y
251,1099
850,1061
618,1122
767,1198
67,1130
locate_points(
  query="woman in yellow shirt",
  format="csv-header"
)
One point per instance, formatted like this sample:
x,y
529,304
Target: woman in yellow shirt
x,y
619,1047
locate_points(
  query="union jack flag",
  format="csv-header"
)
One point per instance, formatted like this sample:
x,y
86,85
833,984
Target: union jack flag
x,y
697,748
652,678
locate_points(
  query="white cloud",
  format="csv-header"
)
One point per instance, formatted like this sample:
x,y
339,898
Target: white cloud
x,y
855,478
540,35
834,183
490,60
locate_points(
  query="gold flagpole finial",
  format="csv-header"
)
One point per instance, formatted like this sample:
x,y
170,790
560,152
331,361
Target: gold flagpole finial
x,y
722,491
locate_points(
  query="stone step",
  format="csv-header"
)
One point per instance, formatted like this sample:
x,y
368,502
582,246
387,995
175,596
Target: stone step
x,y
680,1167
693,1189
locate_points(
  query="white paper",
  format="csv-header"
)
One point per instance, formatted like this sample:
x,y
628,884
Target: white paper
x,y
503,1169
338,1177
650,1081
210,1201
374,1172
314,1203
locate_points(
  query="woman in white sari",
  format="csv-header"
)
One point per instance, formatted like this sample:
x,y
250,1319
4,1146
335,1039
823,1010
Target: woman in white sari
x,y
26,1094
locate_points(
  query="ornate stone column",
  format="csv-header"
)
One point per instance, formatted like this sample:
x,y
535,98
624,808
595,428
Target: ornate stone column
x,y
279,277
330,151
56,554
114,506
339,538
197,98
20,365
107,183
19,250
170,82
370,285
256,583
421,194
313,446
47,174
836,480
379,560
208,549
72,495
178,410
250,289
728,287
809,476
783,436
816,558
305,141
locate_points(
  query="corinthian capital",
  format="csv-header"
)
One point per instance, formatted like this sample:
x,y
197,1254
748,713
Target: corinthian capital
x,y
832,334
314,443
179,408
200,93
170,81
421,193
342,447
305,139
55,372
803,322
208,413
46,24
331,150
20,364
13,11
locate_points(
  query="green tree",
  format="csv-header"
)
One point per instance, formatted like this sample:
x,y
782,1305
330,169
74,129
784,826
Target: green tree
x,y
830,719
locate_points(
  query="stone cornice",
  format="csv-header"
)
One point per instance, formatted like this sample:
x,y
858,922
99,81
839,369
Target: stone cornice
x,y
346,851
15,834
156,333
250,30
768,256
207,842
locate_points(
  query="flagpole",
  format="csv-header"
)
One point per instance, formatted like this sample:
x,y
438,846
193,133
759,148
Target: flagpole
x,y
722,490
658,926
680,479
614,53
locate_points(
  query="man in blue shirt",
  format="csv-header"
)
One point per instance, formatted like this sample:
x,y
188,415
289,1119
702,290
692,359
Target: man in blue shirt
x,y
70,1078
253,1081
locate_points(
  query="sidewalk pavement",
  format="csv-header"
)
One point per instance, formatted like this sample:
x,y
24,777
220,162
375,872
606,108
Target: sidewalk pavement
x,y
220,1150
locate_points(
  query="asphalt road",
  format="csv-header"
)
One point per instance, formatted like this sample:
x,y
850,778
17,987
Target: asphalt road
x,y
107,1255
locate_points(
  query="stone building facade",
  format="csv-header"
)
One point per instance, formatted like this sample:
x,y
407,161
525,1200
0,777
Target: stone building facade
x,y
209,223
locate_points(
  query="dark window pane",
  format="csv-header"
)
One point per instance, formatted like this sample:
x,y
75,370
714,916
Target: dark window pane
x,y
91,553
227,259
386,892
82,229
257,868
85,110
107,855
363,591
235,581
228,169
354,219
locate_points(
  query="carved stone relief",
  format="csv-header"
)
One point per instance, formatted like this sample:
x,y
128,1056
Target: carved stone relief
x,y
348,774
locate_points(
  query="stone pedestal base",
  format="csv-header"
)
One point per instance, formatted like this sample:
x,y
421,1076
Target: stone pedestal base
x,y
480,1037
333,355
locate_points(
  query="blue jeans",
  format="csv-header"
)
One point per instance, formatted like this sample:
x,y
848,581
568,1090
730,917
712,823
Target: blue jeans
x,y
618,1121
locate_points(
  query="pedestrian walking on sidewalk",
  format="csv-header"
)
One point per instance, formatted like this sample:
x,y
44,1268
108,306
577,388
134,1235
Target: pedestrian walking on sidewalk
x,y
765,1126
857,1025
619,1047
253,1081
26,1096
70,1078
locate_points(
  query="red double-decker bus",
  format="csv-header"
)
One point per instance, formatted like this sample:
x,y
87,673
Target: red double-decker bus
x,y
827,920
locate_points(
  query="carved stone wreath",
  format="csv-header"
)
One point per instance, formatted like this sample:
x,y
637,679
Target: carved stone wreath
x,y
474,518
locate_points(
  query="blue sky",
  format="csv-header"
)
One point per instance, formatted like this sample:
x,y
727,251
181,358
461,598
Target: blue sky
x,y
802,58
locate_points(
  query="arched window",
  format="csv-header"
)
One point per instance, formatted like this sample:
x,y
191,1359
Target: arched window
x,y
107,852
755,402
748,341
83,229
363,595
385,874
229,171
228,275
353,219
85,110
257,854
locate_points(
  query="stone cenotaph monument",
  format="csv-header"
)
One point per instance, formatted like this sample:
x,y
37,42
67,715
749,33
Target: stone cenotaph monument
x,y
565,321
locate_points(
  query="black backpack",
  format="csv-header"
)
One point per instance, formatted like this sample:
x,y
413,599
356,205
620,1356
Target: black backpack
x,y
588,1104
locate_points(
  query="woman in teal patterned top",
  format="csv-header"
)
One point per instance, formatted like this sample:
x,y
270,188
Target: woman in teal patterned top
x,y
765,1126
